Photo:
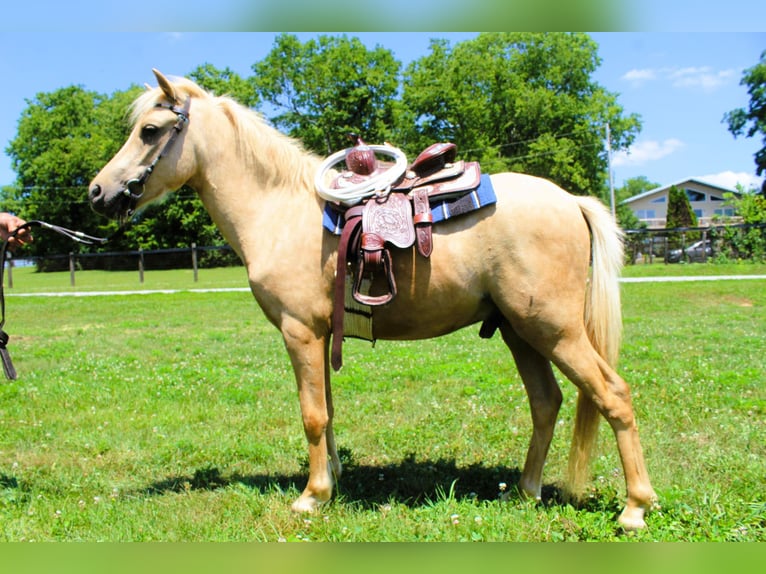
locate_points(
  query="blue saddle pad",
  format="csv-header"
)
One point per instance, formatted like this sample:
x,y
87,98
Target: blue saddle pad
x,y
482,196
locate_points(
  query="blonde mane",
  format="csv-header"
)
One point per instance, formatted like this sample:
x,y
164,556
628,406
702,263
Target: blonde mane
x,y
280,160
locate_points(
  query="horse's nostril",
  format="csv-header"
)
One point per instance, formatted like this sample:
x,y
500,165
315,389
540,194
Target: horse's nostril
x,y
95,192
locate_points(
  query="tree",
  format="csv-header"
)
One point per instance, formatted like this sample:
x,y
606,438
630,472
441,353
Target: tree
x,y
63,139
517,101
226,82
752,121
748,241
634,186
680,213
326,88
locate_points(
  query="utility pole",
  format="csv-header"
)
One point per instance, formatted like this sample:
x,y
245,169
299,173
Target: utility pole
x,y
609,163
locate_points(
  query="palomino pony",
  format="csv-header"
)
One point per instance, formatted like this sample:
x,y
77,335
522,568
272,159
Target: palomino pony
x,y
544,261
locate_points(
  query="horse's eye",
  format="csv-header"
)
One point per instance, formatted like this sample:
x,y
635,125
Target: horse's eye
x,y
149,133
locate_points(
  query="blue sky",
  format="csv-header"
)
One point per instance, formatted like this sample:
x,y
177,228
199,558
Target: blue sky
x,y
680,83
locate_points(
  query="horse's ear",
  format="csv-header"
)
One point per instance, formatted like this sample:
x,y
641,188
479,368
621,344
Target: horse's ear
x,y
147,87
166,86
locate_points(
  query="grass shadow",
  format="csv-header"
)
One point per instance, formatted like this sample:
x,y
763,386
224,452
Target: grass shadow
x,y
410,482
8,481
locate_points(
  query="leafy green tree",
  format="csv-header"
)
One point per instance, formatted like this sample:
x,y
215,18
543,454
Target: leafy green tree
x,y
517,101
680,213
327,87
752,121
226,82
63,139
750,241
634,186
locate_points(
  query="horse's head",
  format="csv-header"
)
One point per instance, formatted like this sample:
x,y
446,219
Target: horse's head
x,y
153,160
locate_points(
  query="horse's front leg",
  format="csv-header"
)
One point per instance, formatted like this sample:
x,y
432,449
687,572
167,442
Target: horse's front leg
x,y
308,354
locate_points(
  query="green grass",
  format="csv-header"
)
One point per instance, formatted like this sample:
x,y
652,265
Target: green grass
x,y
174,417
660,269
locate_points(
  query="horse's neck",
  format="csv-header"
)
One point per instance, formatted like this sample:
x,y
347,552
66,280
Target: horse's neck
x,y
256,207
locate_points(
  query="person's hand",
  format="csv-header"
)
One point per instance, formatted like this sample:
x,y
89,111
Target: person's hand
x,y
8,224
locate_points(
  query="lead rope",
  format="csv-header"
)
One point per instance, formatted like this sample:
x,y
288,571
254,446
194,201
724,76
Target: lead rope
x,y
78,236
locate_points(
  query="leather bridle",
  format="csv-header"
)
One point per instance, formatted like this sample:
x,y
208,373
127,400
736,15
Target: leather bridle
x,y
134,188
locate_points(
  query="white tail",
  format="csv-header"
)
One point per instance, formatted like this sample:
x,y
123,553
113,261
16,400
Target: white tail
x,y
603,322
603,311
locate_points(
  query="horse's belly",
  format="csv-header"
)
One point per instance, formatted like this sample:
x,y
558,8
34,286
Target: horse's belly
x,y
419,320
431,301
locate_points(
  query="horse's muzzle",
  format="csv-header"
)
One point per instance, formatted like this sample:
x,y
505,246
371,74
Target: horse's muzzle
x,y
118,204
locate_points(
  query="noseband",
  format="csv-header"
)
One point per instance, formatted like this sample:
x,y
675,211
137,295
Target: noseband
x,y
134,188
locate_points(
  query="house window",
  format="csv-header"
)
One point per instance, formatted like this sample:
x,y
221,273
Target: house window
x,y
698,213
715,198
645,214
661,199
694,195
726,212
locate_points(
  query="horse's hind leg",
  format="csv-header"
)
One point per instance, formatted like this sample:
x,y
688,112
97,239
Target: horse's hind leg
x,y
578,360
544,401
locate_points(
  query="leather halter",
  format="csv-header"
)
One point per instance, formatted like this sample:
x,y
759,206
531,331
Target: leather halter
x,y
134,188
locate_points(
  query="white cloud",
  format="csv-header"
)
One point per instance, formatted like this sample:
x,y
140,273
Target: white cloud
x,y
646,151
638,77
700,77
703,77
730,179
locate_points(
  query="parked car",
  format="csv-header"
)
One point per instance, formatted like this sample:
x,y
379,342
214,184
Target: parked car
x,y
698,251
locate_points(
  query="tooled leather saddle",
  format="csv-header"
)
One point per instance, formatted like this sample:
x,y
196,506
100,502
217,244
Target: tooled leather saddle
x,y
400,217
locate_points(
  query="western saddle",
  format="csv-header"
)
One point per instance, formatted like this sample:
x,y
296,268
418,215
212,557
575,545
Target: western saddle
x,y
399,216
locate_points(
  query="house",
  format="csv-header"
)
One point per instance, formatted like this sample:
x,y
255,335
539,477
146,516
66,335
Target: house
x,y
707,201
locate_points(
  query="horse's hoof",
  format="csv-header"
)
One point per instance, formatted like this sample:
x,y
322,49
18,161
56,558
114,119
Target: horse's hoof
x,y
632,519
528,491
306,504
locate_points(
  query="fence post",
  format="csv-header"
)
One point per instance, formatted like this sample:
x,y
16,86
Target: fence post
x,y
71,268
141,266
194,260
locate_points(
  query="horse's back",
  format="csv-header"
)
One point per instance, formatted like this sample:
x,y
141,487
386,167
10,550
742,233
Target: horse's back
x,y
531,198
534,239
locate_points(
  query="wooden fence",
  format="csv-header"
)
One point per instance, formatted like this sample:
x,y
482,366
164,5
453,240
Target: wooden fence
x,y
737,241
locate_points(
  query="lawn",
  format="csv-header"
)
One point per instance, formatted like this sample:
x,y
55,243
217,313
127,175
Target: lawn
x,y
174,417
